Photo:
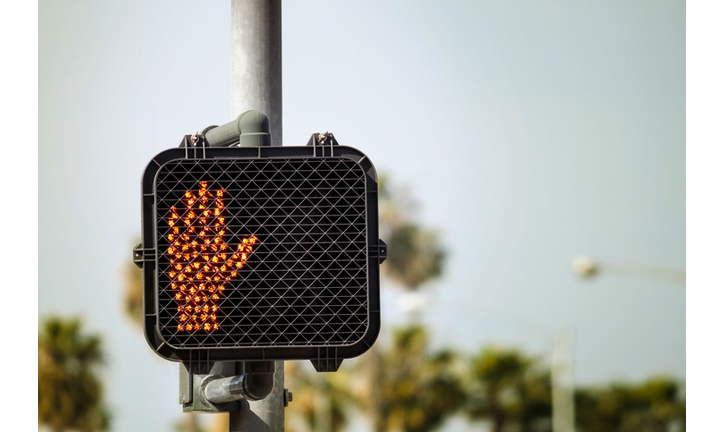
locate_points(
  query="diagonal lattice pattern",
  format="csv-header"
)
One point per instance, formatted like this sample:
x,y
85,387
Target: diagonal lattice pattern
x,y
305,284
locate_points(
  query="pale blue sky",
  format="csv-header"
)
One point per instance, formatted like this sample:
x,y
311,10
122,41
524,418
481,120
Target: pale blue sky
x,y
529,133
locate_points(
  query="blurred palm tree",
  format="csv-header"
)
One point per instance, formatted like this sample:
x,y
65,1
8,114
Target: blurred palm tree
x,y
662,397
414,254
654,405
70,392
396,393
415,389
322,401
133,292
507,387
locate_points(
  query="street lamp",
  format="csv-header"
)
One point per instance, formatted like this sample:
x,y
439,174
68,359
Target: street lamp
x,y
585,267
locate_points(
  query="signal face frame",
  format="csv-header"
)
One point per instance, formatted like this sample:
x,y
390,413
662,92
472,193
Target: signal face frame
x,y
261,253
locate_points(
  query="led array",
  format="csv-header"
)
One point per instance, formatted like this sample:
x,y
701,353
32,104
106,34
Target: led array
x,y
201,261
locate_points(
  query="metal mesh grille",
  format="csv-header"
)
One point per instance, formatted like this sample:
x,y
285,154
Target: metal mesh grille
x,y
304,282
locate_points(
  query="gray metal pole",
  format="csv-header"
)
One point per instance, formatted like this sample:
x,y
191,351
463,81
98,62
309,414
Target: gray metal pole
x,y
564,417
266,415
256,84
256,61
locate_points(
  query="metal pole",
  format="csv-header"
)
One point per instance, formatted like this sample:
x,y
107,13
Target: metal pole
x,y
256,61
266,415
256,84
562,377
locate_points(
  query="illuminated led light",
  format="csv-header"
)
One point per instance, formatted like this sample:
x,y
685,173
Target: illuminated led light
x,y
199,232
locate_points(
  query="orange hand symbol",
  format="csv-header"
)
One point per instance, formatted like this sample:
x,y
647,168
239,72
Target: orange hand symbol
x,y
201,261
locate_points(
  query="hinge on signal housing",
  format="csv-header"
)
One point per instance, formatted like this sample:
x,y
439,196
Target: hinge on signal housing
x,y
323,144
321,139
195,145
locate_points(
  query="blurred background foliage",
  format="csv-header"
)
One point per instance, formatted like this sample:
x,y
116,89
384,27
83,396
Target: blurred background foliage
x,y
657,404
505,386
400,384
415,254
70,388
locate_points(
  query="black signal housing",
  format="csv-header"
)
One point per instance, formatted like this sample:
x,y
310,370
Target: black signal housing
x,y
308,284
